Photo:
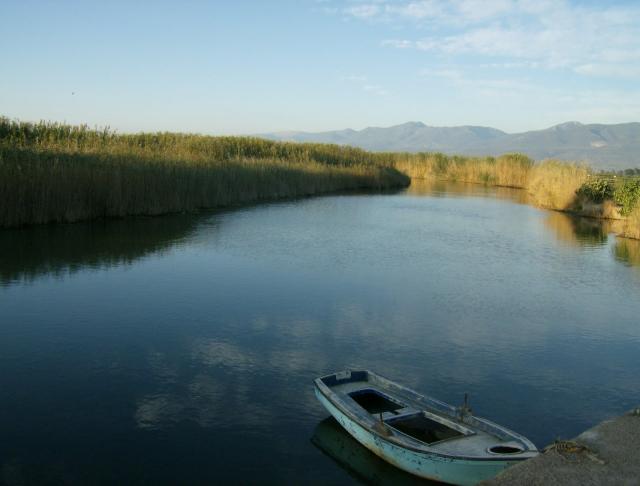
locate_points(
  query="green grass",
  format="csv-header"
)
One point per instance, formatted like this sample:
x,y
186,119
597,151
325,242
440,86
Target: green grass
x,y
51,172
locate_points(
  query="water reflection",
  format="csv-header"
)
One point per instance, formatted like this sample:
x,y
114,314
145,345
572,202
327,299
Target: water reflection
x,y
627,251
28,253
356,460
578,231
435,188
570,229
195,365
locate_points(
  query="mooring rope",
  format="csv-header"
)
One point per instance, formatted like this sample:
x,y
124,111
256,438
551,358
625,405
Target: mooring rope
x,y
566,447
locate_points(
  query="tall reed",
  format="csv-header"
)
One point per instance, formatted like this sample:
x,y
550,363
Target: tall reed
x,y
553,184
508,170
58,173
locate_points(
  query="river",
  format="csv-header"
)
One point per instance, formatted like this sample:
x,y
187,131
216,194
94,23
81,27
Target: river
x,y
182,349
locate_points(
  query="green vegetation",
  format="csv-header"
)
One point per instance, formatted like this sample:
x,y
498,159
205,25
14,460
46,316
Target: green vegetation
x,y
597,189
627,195
628,172
51,172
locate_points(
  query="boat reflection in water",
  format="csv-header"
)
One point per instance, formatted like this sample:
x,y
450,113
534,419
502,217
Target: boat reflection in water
x,y
357,460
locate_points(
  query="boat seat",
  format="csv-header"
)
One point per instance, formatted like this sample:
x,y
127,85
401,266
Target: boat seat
x,y
399,413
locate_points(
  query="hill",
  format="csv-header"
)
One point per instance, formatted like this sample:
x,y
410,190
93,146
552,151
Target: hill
x,y
602,146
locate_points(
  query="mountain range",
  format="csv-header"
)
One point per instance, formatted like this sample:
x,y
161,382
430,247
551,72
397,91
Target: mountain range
x,y
604,147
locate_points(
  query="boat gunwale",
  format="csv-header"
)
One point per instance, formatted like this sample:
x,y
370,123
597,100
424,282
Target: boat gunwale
x,y
346,409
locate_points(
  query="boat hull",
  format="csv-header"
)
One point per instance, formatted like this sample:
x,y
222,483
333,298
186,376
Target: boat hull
x,y
429,466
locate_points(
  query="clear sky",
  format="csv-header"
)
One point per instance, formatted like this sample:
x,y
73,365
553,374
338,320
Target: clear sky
x,y
255,66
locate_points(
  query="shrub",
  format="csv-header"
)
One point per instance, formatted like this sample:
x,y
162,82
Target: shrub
x,y
627,195
596,189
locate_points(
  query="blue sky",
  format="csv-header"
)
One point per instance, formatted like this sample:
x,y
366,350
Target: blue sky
x,y
232,67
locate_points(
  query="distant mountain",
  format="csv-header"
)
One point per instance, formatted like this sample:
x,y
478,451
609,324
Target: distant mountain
x,y
602,146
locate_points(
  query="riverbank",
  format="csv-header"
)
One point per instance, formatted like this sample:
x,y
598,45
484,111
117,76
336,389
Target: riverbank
x,y
608,453
59,173
561,186
52,172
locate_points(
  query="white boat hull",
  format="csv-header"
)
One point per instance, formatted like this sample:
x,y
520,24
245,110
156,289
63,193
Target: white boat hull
x,y
438,467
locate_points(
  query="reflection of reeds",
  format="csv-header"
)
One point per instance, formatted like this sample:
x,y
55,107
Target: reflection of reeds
x,y
631,227
53,172
437,188
27,253
577,230
628,251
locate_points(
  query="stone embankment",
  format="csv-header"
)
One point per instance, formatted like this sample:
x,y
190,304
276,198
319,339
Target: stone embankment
x,y
607,454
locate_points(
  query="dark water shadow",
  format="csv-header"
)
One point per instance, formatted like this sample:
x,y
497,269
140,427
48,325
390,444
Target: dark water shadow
x,y
333,441
60,249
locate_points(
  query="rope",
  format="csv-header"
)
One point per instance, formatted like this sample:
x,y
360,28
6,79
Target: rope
x,y
566,447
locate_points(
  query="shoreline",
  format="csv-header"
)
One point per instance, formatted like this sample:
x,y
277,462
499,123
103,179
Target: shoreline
x,y
606,211
52,173
607,453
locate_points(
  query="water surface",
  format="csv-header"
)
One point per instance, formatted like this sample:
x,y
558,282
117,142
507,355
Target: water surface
x,y
182,349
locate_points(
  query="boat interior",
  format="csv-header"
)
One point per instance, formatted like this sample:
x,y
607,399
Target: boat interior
x,y
408,421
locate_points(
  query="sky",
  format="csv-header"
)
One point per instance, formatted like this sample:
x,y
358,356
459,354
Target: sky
x,y
250,66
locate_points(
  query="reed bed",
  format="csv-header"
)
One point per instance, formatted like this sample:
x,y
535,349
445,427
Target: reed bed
x,y
58,173
52,172
554,184
551,184
510,170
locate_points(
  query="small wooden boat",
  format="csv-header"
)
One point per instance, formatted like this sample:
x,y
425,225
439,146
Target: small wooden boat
x,y
419,434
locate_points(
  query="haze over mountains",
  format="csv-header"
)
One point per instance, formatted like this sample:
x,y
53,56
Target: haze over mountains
x,y
602,146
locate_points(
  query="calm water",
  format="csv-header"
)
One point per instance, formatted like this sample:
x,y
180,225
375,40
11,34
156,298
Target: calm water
x,y
182,349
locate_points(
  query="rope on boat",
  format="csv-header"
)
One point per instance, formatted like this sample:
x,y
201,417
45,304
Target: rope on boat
x,y
566,447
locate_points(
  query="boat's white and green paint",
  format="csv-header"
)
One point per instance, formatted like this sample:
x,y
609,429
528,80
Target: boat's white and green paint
x,y
418,434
